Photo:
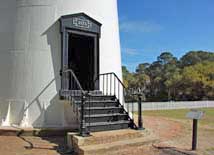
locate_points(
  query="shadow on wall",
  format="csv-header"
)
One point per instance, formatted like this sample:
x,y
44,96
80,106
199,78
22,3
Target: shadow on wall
x,y
55,113
54,41
50,116
51,113
58,114
34,113
46,110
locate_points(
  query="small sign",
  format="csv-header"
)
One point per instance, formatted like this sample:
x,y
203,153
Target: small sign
x,y
195,114
82,23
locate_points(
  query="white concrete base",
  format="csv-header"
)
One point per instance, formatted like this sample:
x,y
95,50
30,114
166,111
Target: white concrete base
x,y
45,115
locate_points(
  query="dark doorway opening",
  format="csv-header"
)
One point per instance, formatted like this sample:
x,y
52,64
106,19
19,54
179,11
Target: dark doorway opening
x,y
81,59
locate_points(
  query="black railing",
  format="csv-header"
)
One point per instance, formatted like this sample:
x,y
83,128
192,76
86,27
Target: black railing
x,y
72,91
110,84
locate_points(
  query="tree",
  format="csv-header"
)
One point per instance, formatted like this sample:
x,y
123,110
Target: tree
x,y
199,81
141,68
194,57
166,58
167,78
127,76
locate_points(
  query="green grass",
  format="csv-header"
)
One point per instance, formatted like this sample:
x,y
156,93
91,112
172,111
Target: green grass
x,y
208,118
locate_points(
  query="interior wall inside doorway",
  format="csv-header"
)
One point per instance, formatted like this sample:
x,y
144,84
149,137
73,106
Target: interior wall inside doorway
x,y
81,59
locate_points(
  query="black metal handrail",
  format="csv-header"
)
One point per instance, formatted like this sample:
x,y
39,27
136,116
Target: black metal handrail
x,y
63,73
83,129
115,77
110,84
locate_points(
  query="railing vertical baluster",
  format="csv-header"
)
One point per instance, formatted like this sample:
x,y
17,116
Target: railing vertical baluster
x,y
110,83
114,85
106,84
125,101
119,91
73,85
103,84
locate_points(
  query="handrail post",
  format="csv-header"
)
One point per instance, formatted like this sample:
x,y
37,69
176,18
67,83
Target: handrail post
x,y
83,129
140,120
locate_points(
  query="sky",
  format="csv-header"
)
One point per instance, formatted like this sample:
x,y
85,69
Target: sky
x,y
150,27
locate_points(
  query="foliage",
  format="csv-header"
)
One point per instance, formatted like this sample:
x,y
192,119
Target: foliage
x,y
190,78
194,57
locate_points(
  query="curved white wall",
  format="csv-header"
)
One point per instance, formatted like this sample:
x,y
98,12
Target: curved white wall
x,y
35,54
7,21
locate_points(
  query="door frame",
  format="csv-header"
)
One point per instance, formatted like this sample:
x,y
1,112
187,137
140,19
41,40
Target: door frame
x,y
80,24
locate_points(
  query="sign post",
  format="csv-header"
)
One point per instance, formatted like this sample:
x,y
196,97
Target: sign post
x,y
194,134
141,97
195,115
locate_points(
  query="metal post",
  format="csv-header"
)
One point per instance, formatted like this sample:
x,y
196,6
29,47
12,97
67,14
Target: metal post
x,y
140,122
83,130
194,134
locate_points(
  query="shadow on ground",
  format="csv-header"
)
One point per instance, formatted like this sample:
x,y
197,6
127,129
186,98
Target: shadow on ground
x,y
53,143
173,151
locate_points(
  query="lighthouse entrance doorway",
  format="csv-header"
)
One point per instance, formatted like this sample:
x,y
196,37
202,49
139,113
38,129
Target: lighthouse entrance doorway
x,y
80,36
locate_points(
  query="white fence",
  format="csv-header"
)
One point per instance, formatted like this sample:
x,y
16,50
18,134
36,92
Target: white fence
x,y
172,105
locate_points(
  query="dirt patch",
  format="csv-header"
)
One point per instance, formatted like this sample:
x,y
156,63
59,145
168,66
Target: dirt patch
x,y
162,127
175,136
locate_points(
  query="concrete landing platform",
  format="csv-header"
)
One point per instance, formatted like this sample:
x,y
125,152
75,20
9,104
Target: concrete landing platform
x,y
109,142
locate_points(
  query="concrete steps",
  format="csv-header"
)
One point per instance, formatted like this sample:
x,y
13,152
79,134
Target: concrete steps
x,y
108,142
104,149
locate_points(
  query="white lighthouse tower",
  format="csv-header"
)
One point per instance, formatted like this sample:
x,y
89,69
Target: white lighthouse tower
x,y
38,38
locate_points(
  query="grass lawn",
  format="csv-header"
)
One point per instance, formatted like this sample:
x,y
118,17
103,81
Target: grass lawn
x,y
208,118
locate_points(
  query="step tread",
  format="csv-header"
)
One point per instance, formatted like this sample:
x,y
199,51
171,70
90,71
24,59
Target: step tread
x,y
102,108
98,101
117,144
105,115
97,95
106,137
107,123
